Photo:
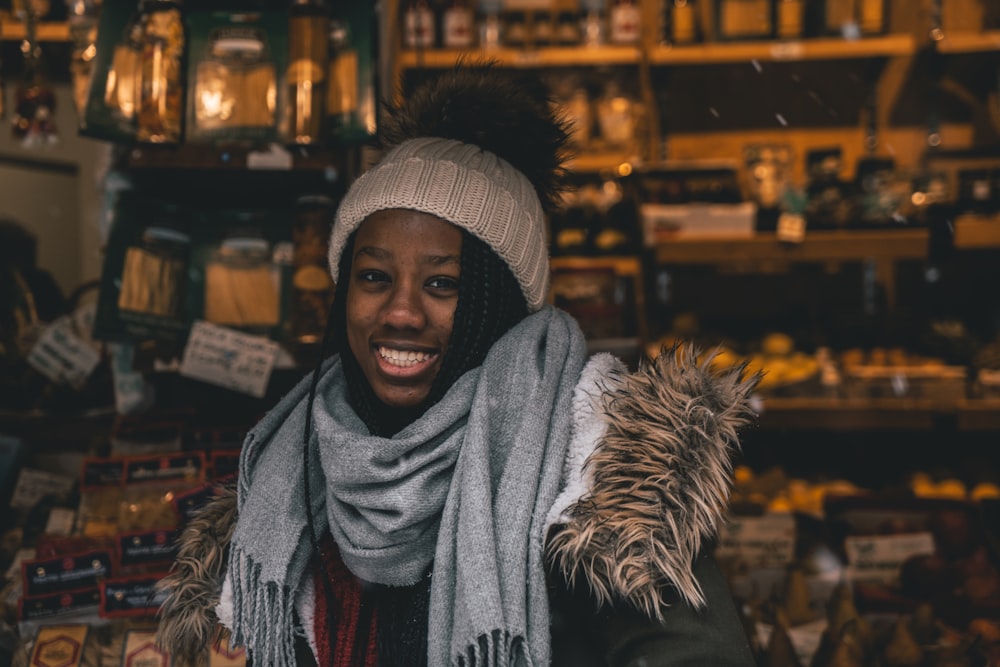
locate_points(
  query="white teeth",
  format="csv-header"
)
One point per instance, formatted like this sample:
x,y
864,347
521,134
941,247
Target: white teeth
x,y
402,358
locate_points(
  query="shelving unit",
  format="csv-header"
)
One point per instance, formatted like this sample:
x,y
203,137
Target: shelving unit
x,y
47,31
978,42
818,246
884,414
804,49
524,58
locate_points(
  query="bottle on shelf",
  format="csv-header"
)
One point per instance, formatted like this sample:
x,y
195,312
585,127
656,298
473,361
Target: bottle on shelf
x,y
567,29
418,25
161,93
683,23
872,16
543,31
515,31
458,25
594,30
490,29
828,196
743,19
789,18
342,88
625,22
308,59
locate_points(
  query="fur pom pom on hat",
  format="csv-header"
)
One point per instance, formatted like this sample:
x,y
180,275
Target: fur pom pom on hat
x,y
479,147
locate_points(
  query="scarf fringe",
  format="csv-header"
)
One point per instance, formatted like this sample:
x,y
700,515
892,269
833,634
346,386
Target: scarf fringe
x,y
261,615
496,649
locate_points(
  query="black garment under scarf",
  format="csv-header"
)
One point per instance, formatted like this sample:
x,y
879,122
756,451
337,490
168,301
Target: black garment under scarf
x,y
490,302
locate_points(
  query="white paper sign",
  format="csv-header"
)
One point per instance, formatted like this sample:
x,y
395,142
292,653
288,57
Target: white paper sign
x,y
877,559
33,485
62,356
132,394
229,358
759,541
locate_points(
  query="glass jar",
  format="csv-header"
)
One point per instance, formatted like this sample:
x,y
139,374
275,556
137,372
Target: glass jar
x,y
308,55
312,284
154,272
161,95
242,284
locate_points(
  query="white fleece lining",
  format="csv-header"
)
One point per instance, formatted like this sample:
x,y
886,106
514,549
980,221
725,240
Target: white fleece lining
x,y
305,607
224,610
589,427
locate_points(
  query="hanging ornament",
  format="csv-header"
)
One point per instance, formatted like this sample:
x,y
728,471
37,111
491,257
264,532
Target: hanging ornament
x,y
33,120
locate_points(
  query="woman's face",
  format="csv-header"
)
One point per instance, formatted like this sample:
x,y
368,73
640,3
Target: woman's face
x,y
401,301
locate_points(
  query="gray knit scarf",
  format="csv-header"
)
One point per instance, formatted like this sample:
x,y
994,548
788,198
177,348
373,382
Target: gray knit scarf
x,y
466,487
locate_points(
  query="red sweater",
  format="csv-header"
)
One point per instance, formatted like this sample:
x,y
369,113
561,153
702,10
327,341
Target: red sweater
x,y
346,609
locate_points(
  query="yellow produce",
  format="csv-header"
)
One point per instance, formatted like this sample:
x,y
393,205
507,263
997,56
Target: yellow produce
x,y
985,490
777,345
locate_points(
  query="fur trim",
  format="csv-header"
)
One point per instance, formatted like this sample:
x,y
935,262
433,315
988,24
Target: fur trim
x,y
188,624
661,478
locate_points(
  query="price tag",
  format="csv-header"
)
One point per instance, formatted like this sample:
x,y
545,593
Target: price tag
x,y
787,50
791,228
62,356
877,559
228,358
759,541
275,157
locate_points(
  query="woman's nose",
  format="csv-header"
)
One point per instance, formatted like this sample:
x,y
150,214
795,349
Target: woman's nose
x,y
404,309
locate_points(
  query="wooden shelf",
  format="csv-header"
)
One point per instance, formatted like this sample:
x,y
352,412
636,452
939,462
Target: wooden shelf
x,y
622,265
47,32
979,414
844,414
236,157
601,161
805,49
977,232
524,58
970,42
695,54
818,246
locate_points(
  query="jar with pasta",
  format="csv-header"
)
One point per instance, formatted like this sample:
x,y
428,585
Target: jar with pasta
x,y
242,283
154,272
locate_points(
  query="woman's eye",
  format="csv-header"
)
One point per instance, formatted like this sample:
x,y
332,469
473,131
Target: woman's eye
x,y
443,283
372,276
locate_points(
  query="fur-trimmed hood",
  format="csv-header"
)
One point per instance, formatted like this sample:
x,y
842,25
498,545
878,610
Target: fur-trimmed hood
x,y
647,482
648,476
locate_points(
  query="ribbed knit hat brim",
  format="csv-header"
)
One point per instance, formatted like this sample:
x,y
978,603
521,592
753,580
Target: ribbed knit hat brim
x,y
464,185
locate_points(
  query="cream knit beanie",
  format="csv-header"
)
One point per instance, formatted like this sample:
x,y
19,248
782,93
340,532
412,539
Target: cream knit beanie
x,y
465,185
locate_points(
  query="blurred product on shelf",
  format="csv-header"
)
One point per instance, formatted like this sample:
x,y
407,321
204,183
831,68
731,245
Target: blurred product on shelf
x,y
312,285
160,111
306,80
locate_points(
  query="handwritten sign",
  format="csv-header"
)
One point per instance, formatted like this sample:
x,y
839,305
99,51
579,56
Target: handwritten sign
x,y
759,541
62,356
878,559
229,358
34,485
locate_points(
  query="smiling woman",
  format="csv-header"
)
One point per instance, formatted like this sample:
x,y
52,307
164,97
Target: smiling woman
x,y
459,484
